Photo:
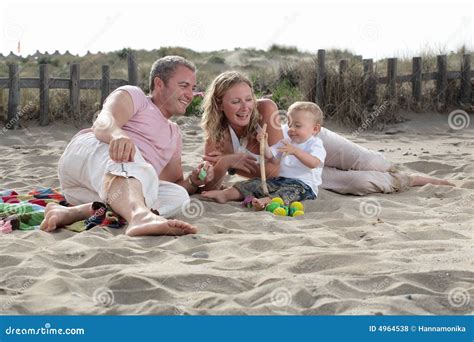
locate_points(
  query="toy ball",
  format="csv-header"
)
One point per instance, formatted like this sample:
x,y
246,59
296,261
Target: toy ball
x,y
298,213
297,206
280,211
272,206
278,200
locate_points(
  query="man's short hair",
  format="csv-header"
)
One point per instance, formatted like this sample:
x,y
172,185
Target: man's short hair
x,y
165,67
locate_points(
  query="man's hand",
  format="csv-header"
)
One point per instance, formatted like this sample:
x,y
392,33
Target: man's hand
x,y
122,149
208,167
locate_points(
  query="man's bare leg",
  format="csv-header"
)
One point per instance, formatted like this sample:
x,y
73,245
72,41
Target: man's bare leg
x,y
222,196
56,215
125,196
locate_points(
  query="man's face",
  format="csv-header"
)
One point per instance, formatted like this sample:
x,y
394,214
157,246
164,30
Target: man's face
x,y
177,94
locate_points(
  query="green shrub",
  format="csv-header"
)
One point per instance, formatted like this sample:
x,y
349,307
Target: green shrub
x,y
216,60
284,94
195,107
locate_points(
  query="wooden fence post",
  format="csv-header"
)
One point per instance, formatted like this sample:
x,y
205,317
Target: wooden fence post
x,y
416,79
13,97
132,69
105,84
392,78
370,96
74,90
321,78
466,87
2,106
441,82
44,94
343,65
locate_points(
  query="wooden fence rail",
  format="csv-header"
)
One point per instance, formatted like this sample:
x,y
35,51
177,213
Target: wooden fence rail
x,y
74,83
45,82
441,76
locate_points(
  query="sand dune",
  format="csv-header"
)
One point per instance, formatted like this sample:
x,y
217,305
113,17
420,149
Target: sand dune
x,y
405,253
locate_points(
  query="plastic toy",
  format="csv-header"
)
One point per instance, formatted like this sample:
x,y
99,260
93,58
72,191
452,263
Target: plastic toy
x,y
202,174
277,207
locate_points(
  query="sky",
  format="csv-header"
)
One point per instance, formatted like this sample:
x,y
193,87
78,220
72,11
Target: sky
x,y
371,29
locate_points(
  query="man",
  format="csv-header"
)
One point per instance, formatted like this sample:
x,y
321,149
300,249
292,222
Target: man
x,y
131,157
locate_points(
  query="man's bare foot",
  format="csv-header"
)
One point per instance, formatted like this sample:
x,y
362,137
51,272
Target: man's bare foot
x,y
151,224
419,180
215,195
260,203
56,215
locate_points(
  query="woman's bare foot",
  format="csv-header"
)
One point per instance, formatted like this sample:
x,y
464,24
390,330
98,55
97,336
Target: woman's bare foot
x,y
218,196
56,215
148,223
419,180
260,203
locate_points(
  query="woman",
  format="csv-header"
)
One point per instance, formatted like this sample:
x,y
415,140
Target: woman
x,y
230,121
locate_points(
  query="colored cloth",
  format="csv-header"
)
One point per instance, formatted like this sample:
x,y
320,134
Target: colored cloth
x,y
289,189
26,212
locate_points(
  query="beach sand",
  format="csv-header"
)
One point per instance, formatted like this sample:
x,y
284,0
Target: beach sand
x,y
391,254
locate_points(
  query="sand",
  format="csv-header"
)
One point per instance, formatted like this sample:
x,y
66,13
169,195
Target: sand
x,y
403,253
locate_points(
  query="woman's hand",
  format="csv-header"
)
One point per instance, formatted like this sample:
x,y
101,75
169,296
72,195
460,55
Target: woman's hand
x,y
213,157
242,161
238,161
122,149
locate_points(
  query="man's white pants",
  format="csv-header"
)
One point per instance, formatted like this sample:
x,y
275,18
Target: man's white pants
x,y
86,161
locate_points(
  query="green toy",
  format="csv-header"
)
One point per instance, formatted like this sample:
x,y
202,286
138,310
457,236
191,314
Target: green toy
x,y
272,206
277,207
202,174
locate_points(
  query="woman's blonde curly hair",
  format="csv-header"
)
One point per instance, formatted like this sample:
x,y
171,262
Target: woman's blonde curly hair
x,y
214,122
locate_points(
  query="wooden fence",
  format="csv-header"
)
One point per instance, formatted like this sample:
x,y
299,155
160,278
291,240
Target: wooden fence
x,y
106,84
371,81
74,83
